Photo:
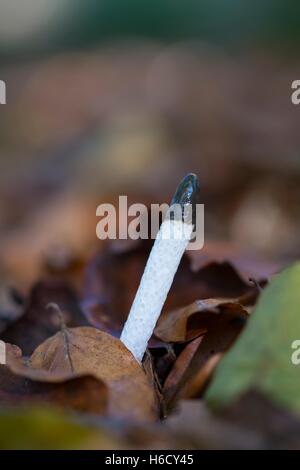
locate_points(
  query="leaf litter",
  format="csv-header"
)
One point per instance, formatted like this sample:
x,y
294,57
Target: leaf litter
x,y
69,356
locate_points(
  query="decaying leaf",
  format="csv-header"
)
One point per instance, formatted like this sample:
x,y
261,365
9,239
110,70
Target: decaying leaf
x,y
187,323
37,323
85,350
262,357
194,386
179,368
219,326
20,383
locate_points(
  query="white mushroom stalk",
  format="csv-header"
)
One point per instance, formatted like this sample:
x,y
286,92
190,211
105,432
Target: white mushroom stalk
x,y
171,242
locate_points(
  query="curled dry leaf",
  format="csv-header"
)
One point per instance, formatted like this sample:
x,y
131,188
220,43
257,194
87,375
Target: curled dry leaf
x,y
218,324
187,323
193,387
20,384
197,383
179,367
85,350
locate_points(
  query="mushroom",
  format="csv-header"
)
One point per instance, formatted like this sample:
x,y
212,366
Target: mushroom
x,y
171,241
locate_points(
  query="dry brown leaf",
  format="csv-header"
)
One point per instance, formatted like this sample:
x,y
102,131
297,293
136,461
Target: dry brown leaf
x,y
187,323
221,323
22,384
38,323
85,350
179,367
194,386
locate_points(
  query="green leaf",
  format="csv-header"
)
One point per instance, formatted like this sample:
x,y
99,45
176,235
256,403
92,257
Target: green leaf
x,y
261,357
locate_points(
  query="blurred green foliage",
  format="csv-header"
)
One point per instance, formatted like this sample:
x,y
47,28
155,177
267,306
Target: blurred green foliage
x,y
214,20
46,428
231,23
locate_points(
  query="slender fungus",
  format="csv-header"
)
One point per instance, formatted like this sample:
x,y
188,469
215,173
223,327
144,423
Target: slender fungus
x,y
171,241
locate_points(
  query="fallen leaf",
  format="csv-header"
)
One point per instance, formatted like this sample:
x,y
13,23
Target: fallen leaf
x,y
221,325
262,357
163,359
22,384
194,387
179,367
86,350
196,384
37,323
187,323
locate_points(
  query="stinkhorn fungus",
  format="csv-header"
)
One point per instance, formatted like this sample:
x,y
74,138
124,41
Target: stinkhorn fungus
x,y
171,241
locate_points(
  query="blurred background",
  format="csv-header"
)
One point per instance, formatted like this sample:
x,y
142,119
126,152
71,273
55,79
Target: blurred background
x,y
110,97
